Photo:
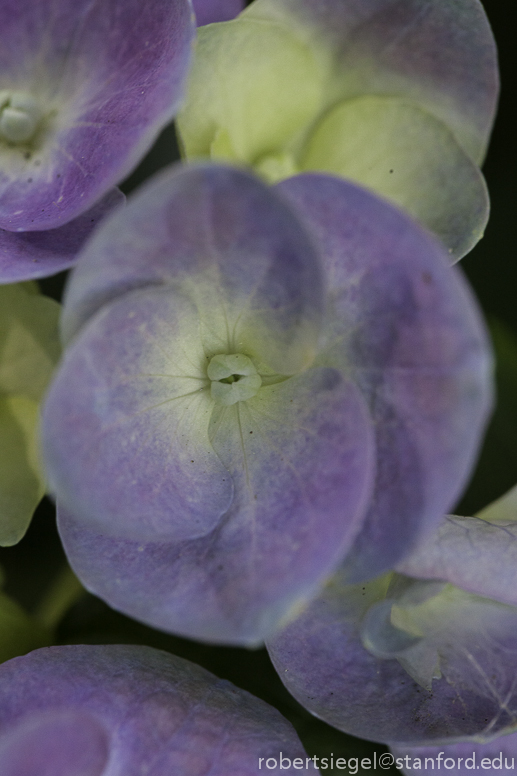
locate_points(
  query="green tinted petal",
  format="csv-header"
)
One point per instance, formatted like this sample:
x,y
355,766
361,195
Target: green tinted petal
x,y
21,484
407,156
253,87
29,341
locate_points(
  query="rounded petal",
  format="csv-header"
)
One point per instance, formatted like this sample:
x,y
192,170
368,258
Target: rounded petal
x,y
457,681
108,76
404,326
59,744
246,113
210,11
441,56
112,710
231,245
299,454
474,553
125,425
30,255
406,155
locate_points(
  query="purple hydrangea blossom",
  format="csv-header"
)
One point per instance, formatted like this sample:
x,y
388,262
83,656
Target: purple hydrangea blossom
x,y
85,87
130,711
422,657
258,383
210,11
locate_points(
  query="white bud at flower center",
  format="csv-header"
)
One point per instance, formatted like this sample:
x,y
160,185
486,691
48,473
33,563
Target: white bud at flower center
x,y
234,378
20,115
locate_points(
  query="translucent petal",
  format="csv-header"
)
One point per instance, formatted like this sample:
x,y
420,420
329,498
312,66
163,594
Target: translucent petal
x,y
99,710
406,155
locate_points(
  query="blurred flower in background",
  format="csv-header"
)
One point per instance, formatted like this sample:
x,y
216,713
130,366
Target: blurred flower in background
x,y
399,97
129,710
29,351
85,88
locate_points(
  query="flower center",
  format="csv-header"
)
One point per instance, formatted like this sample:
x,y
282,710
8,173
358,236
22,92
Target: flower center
x,y
234,378
20,115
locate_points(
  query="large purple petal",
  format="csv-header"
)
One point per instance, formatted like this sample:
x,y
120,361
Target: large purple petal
x,y
127,710
30,255
468,651
299,455
441,55
405,327
210,11
108,75
126,424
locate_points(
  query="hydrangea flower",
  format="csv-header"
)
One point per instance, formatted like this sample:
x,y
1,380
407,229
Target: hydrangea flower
x,y
258,382
85,87
129,711
29,351
210,11
398,96
421,657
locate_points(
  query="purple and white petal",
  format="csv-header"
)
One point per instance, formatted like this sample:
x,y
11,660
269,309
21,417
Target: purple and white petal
x,y
128,710
30,255
458,680
98,79
299,455
404,327
210,11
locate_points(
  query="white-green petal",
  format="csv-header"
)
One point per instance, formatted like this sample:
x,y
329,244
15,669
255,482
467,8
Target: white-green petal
x,y
244,106
21,482
29,340
29,349
405,154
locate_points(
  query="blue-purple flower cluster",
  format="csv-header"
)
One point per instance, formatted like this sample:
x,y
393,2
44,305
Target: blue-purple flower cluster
x,y
273,386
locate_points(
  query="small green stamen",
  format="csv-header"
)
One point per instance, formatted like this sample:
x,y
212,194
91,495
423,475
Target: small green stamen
x,y
234,378
20,116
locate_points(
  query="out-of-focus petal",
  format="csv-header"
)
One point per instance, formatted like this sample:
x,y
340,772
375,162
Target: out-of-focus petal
x,y
61,743
404,326
29,255
21,482
29,340
210,11
29,351
442,56
108,75
111,710
299,454
247,112
406,155
467,688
